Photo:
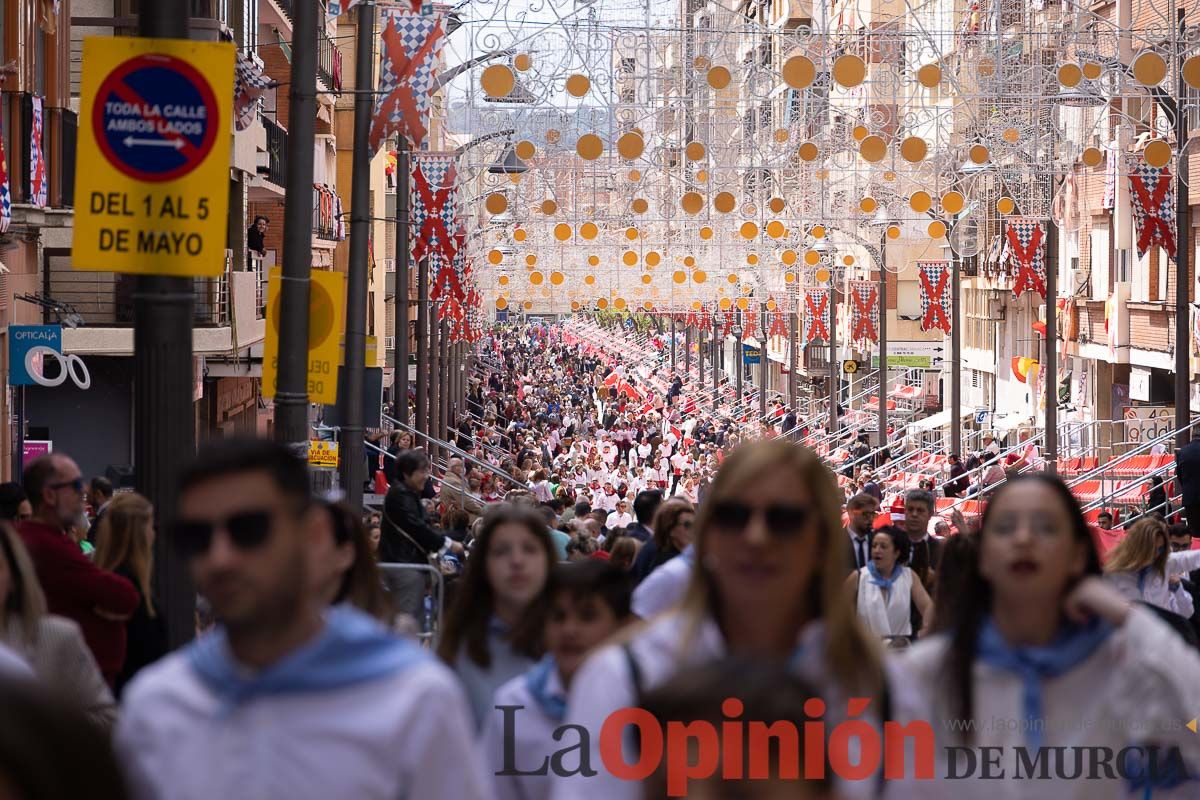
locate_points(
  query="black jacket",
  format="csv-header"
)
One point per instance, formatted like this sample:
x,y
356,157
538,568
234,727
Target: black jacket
x,y
402,507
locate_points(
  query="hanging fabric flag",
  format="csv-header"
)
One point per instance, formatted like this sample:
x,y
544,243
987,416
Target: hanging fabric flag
x,y
750,329
5,195
39,182
411,44
1026,243
1152,196
816,309
934,276
249,83
729,319
433,207
778,325
865,317
338,7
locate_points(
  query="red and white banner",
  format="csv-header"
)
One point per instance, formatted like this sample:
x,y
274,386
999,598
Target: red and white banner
x,y
864,317
934,277
1027,247
816,315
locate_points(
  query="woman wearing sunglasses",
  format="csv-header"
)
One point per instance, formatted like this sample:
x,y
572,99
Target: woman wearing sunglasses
x,y
1041,652
768,586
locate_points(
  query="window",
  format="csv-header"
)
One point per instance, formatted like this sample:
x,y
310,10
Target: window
x,y
628,65
249,32
628,95
908,300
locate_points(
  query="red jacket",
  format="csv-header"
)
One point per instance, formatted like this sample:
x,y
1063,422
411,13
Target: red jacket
x,y
75,588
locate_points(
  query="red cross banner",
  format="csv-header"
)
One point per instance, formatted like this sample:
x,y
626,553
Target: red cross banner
x,y
816,315
411,45
1026,243
778,325
864,319
1152,196
934,277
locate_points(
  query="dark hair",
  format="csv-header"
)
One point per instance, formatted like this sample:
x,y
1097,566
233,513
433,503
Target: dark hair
x,y
899,539
101,485
974,600
920,496
467,623
861,500
411,460
362,584
37,476
959,554
257,218
665,521
1104,513
583,508
1177,530
225,457
594,578
646,504
11,497
455,518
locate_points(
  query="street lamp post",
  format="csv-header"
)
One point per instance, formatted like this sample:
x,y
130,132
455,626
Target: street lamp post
x,y
883,340
763,362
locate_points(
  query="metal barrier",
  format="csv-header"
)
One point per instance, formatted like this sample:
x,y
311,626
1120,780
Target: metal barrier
x,y
429,630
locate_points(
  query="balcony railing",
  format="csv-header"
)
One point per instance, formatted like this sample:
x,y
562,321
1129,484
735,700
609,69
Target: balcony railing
x,y
329,62
276,168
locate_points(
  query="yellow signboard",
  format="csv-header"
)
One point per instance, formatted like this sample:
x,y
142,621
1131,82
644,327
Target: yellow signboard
x,y
322,453
372,352
326,317
152,184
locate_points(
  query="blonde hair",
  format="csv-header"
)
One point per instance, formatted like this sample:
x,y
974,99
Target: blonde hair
x,y
849,652
1140,548
122,541
25,599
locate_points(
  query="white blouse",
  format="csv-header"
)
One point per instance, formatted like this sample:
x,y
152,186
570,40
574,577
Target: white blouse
x,y
1155,589
887,614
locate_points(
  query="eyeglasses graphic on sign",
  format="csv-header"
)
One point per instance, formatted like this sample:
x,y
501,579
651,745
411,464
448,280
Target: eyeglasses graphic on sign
x,y
35,358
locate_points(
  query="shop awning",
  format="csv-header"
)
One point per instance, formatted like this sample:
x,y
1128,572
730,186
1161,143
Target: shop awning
x,y
939,420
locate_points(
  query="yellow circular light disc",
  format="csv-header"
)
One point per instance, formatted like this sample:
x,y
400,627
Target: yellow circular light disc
x,y
589,280
697,305
497,80
822,275
574,305
646,279
594,260
679,276
631,234
849,70
501,303
520,234
549,207
1070,75
562,231
1191,72
936,229
701,175
1005,205
531,259
798,72
979,154
1092,156
818,231
742,303
578,85
619,303
808,151
788,257
694,151
771,305
953,202
496,203
873,149
1157,153
689,261
503,280
893,231
602,303
706,233
789,277
868,205
929,75
629,257
848,261
1091,70
776,204
1149,68
527,305
1011,135
700,62
589,147
699,276
725,303
524,150
557,278
535,278
639,205
635,175
588,230
653,259
889,176
781,135
724,202
920,202
775,229
812,258
913,149
748,230
719,77
630,146
495,257
859,133
522,62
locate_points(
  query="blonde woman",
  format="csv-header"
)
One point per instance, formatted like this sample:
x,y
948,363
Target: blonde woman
x,y
768,587
125,545
52,645
1142,567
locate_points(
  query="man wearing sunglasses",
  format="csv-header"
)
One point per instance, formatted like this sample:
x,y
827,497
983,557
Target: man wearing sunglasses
x,y
98,600
285,698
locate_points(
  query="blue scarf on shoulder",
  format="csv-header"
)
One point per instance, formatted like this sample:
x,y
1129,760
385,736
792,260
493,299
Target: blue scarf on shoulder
x,y
1072,646
351,649
878,579
537,680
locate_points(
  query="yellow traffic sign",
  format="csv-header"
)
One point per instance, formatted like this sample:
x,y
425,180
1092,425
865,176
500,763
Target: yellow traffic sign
x,y
850,367
152,185
322,453
326,317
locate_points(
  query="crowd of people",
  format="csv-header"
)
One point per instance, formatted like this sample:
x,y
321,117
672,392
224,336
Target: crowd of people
x,y
604,547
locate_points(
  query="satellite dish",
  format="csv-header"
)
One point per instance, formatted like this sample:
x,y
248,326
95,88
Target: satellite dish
x,y
965,240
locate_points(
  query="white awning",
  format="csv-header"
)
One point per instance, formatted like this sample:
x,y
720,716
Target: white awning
x,y
1010,422
939,420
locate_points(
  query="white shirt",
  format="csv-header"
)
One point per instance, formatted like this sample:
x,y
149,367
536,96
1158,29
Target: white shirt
x,y
404,735
1155,589
889,615
531,743
619,520
664,587
603,500
1140,684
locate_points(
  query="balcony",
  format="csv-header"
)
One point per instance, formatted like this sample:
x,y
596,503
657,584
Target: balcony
x,y
275,170
329,62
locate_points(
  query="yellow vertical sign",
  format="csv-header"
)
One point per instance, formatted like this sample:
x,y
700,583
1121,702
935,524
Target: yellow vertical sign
x,y
326,318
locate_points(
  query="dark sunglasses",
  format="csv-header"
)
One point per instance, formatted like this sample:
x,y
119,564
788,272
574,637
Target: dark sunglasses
x,y
782,521
76,484
247,530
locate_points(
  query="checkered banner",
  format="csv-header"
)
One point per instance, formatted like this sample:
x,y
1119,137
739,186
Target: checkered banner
x,y
934,277
864,316
39,179
5,194
1026,239
249,83
816,315
749,324
1152,195
433,206
777,326
411,44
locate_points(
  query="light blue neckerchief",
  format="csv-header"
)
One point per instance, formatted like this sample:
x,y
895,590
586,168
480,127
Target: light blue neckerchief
x,y
537,679
879,580
351,649
1072,646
